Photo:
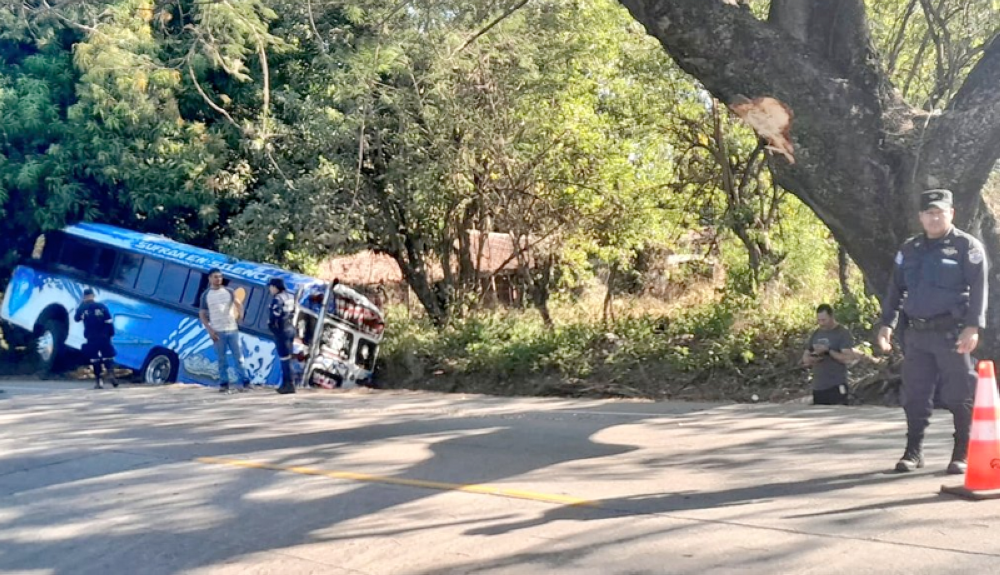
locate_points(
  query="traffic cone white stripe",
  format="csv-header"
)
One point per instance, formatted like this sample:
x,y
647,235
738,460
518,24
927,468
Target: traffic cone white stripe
x,y
985,393
984,431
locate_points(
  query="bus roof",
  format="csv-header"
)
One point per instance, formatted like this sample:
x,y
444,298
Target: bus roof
x,y
187,255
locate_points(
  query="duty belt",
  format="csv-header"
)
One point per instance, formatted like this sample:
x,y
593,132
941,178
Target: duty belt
x,y
939,323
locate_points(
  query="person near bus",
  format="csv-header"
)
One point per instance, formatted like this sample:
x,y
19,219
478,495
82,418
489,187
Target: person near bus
x,y
220,310
98,329
280,322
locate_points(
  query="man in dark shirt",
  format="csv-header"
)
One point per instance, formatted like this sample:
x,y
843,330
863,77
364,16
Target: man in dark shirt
x,y
98,329
829,352
939,282
280,322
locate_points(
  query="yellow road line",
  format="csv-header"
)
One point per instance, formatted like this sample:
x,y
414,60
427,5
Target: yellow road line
x,y
363,477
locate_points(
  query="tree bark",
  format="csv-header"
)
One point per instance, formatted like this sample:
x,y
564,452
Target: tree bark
x,y
609,295
862,154
843,271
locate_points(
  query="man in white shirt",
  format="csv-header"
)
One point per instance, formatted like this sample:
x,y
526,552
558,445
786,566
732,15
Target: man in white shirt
x,y
220,311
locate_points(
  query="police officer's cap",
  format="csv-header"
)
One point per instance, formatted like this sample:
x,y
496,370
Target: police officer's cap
x,y
935,199
88,292
277,283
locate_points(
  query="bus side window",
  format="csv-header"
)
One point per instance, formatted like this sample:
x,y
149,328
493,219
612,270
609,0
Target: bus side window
x,y
77,255
53,244
196,284
265,314
251,301
128,271
253,306
105,263
149,276
170,288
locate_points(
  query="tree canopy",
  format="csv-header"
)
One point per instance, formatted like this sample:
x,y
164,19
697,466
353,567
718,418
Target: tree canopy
x,y
286,131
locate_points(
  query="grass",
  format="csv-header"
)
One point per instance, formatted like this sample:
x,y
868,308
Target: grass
x,y
703,347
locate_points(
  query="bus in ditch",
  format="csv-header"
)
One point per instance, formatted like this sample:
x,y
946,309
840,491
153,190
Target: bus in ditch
x,y
152,285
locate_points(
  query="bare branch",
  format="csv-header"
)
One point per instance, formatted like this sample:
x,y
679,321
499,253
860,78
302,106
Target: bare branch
x,y
970,125
897,43
490,26
208,100
312,23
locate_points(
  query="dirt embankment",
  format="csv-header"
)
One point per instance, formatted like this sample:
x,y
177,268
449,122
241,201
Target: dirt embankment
x,y
872,383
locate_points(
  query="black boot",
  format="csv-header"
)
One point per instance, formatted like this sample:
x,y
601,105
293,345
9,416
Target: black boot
x,y
97,375
286,378
959,456
913,457
109,369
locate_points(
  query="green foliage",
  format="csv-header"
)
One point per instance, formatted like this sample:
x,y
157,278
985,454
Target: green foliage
x,y
654,354
95,131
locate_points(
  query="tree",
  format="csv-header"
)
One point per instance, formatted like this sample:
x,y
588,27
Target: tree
x,y
862,152
95,126
401,134
724,168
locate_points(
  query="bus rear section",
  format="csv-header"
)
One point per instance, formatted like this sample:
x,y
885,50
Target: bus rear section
x,y
342,331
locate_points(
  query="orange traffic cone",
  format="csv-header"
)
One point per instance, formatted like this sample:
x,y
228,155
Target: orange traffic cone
x,y
982,478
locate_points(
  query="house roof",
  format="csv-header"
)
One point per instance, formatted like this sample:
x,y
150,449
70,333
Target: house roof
x,y
369,267
362,268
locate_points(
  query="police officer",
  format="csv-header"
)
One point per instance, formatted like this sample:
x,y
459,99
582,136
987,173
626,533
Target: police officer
x,y
281,325
98,328
939,283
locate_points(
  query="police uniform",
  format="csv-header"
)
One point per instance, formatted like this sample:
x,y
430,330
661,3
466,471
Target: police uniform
x,y
280,322
940,286
98,329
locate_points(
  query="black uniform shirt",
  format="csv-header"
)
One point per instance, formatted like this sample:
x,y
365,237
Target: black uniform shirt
x,y
939,277
97,320
281,310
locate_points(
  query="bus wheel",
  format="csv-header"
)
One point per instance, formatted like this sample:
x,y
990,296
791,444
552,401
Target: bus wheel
x,y
51,335
160,368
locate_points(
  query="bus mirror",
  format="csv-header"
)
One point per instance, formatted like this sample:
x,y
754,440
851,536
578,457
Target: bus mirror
x,y
39,249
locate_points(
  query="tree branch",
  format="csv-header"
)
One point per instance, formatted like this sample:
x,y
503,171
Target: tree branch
x,y
490,26
734,54
969,126
838,31
208,100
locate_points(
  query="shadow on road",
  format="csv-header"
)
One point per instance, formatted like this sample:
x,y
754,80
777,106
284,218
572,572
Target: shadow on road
x,y
196,522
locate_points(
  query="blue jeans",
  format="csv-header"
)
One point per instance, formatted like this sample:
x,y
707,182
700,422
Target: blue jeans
x,y
229,340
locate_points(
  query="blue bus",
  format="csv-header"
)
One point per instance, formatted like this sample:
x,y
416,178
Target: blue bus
x,y
153,286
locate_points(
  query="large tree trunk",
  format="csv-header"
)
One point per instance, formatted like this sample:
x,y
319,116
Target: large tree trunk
x,y
862,154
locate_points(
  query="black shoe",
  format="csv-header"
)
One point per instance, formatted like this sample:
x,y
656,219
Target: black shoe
x,y
224,388
247,386
959,456
910,462
286,390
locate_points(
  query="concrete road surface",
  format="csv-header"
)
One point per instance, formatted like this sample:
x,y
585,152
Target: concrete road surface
x,y
180,479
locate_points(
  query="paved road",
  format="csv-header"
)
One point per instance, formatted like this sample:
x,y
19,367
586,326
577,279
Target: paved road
x,y
179,479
